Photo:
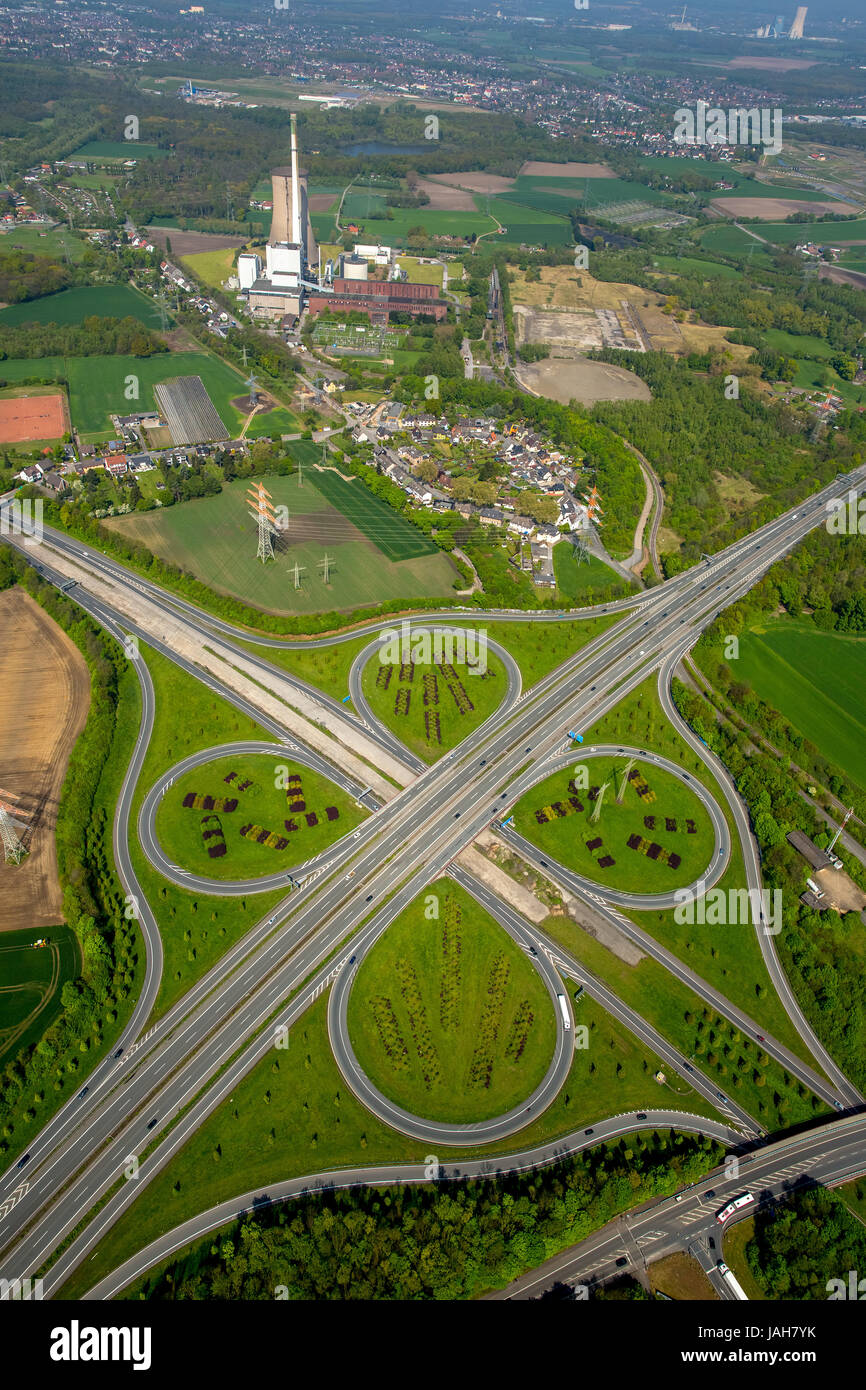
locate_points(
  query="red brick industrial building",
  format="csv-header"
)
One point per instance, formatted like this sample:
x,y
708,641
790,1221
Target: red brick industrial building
x,y
379,298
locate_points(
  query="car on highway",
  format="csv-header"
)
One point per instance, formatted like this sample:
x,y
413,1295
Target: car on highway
x,y
119,1052
82,1094
760,1037
641,1115
22,1161
679,1197
151,1123
369,897
351,960
623,1260
589,1131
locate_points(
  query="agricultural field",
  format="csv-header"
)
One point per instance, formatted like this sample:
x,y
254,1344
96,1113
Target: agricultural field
x,y
74,306
31,979
731,241
447,1017
44,699
97,388
829,233
215,539
816,680
659,838
58,241
431,706
113,150
228,819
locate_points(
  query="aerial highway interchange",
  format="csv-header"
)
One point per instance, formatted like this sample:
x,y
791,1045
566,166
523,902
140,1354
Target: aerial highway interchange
x,y
164,1079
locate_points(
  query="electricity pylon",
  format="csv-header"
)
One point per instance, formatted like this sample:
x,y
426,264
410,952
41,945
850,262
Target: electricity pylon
x,y
325,567
297,572
624,783
262,512
598,800
13,850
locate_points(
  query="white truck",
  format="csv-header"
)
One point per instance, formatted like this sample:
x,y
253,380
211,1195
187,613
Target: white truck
x,y
563,1009
732,1282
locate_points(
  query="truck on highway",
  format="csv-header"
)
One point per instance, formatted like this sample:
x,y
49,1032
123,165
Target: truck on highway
x,y
563,1009
732,1281
745,1199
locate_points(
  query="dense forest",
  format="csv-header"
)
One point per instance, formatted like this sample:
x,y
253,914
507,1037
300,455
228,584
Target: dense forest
x,y
24,275
689,431
93,337
800,1246
447,1242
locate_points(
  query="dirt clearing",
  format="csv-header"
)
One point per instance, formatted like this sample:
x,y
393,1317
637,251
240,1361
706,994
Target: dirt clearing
x,y
773,209
538,168
191,243
447,197
44,698
477,182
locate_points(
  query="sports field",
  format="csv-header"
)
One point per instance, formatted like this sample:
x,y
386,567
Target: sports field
x,y
73,306
27,418
816,680
98,387
431,707
447,1016
658,839
241,824
215,539
31,979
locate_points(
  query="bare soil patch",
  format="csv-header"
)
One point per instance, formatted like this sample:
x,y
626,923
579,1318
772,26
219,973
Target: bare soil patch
x,y
771,209
447,197
582,380
44,699
320,202
477,182
539,168
772,64
190,243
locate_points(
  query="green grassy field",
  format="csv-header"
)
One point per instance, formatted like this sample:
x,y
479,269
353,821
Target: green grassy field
x,y
533,225
119,149
447,1017
296,814
713,1045
574,580
215,539
195,931
825,233
30,983
292,1114
97,387
565,838
396,696
816,680
212,267
58,241
394,231
395,537
73,306
689,266
537,648
731,241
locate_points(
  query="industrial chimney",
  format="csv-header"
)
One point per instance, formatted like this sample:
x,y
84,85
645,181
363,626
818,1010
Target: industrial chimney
x,y
296,190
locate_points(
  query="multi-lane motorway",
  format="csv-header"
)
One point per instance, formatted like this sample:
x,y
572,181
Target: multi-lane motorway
x,y
159,1090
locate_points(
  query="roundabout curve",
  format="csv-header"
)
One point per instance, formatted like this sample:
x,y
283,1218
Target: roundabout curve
x,y
435,1131
356,673
236,887
719,857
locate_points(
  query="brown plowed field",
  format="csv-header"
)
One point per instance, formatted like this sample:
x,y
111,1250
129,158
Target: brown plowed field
x,y
32,417
44,699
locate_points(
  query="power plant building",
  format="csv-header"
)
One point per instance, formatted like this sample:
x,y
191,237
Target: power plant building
x,y
379,298
291,248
